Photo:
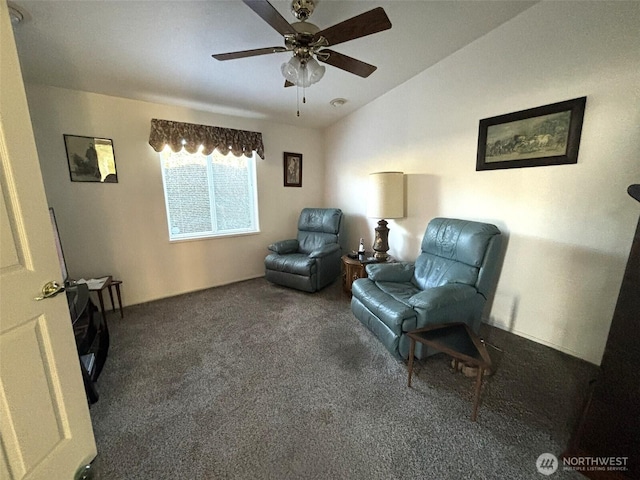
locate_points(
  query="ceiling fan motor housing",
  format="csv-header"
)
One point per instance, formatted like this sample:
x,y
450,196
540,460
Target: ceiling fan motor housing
x,y
302,9
302,43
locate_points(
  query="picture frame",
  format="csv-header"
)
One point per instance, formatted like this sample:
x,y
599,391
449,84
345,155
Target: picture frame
x,y
546,135
90,159
292,166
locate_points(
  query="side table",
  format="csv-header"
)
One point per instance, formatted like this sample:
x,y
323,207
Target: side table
x,y
458,341
108,284
354,268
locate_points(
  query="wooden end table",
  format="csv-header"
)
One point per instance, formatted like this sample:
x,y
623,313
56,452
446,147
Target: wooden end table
x,y
458,341
108,284
354,268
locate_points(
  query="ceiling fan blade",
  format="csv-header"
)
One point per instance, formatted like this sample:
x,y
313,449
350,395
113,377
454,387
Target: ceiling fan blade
x,y
367,23
248,53
346,63
287,83
269,14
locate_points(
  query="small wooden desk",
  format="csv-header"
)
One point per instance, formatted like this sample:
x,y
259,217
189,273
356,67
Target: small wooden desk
x,y
108,284
458,341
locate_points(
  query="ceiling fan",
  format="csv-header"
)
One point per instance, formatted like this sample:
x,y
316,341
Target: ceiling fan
x,y
306,41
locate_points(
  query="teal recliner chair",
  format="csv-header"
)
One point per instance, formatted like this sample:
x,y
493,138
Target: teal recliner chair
x,y
450,281
311,261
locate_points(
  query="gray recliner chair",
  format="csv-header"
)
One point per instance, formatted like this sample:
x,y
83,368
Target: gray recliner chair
x,y
450,281
311,261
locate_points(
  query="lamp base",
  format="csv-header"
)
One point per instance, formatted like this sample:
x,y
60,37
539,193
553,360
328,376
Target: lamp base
x,y
381,241
381,256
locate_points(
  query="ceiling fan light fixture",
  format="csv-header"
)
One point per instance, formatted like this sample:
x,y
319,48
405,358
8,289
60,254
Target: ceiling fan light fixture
x,y
302,73
315,70
291,70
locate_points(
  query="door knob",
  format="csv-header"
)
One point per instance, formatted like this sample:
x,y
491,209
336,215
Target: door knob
x,y
50,289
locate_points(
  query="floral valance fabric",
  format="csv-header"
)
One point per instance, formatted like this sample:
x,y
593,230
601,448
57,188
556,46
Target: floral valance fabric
x,y
190,136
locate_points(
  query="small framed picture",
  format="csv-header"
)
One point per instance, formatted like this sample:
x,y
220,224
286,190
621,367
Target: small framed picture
x,y
292,169
91,159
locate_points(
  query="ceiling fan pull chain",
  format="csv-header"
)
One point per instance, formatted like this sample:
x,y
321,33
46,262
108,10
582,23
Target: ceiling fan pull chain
x,y
298,99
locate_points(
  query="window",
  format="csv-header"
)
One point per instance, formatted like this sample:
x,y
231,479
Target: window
x,y
209,195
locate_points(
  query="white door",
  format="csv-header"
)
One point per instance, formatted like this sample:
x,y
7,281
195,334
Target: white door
x,y
44,417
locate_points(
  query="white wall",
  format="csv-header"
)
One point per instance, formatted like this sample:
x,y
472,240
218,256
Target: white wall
x,y
121,229
569,227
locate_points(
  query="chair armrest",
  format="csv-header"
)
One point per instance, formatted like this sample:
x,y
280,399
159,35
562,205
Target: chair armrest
x,y
284,246
438,297
324,250
390,272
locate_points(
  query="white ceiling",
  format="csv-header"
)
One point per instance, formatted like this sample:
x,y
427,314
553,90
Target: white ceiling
x,y
160,51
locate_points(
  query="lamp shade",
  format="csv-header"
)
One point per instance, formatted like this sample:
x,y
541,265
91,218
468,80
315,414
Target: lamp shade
x,y
386,195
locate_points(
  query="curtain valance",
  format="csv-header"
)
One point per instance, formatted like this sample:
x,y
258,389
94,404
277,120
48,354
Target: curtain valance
x,y
190,136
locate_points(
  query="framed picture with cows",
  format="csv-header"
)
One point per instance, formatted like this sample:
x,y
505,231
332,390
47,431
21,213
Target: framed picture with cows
x,y
547,135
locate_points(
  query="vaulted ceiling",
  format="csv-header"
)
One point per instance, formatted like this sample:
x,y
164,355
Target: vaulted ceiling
x,y
160,51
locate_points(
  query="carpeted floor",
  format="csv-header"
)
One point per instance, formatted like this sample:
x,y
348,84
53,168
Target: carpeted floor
x,y
256,381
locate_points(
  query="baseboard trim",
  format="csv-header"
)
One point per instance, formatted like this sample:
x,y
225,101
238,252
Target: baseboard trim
x,y
541,341
222,284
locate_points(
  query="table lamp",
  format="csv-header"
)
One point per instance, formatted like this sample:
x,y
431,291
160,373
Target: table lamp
x,y
386,200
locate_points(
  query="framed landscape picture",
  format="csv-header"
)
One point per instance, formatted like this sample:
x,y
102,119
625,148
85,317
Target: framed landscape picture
x,y
292,169
547,135
91,159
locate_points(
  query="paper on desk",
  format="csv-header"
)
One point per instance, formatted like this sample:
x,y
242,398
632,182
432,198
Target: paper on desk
x,y
93,283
